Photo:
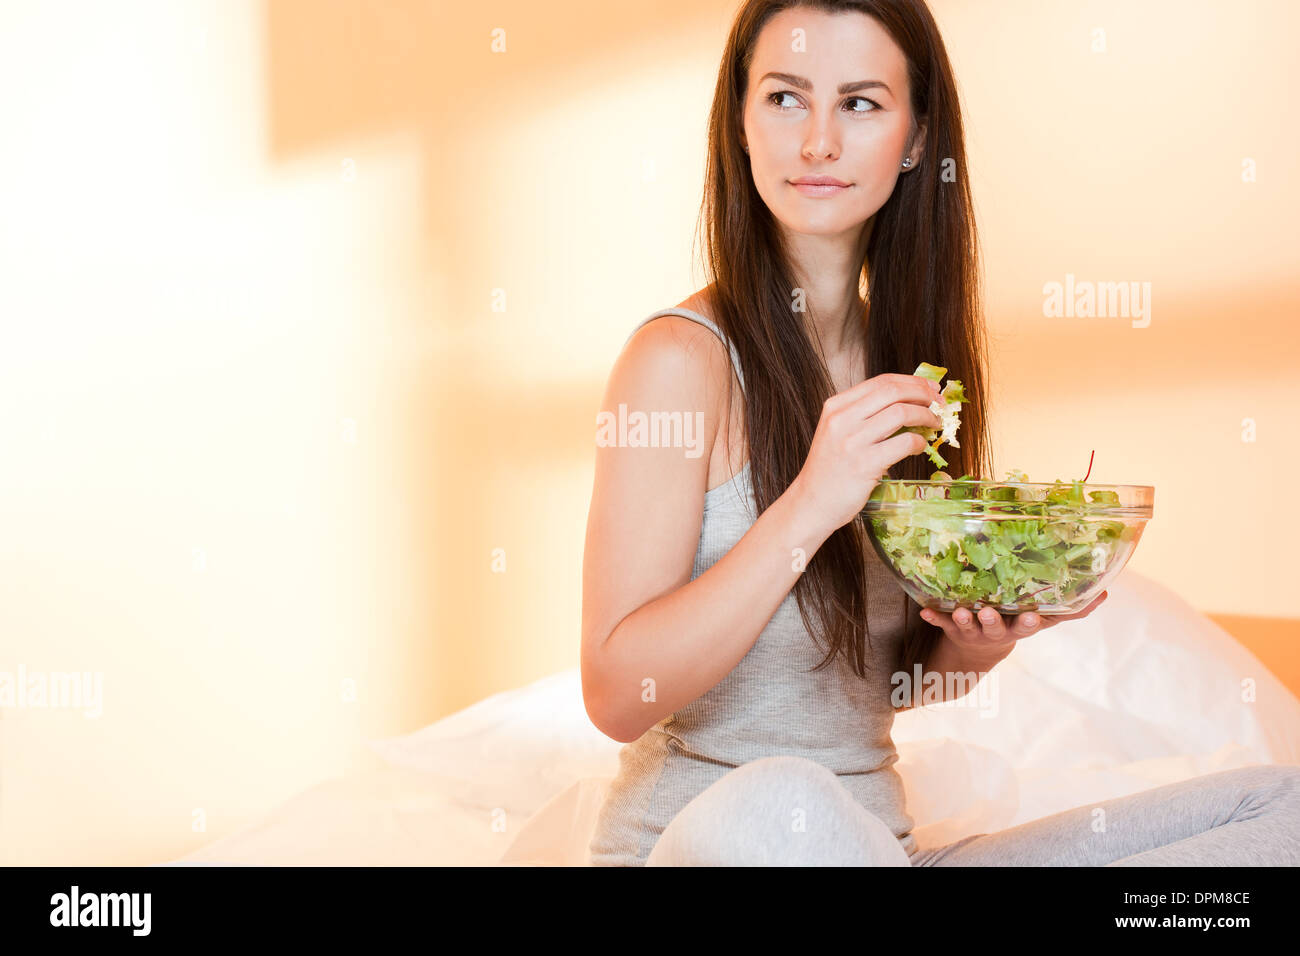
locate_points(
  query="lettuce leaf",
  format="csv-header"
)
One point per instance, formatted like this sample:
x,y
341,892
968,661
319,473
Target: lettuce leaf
x,y
947,406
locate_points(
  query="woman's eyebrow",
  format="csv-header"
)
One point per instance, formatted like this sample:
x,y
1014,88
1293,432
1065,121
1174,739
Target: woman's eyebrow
x,y
805,84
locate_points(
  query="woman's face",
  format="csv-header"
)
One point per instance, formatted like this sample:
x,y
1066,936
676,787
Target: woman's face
x,y
802,124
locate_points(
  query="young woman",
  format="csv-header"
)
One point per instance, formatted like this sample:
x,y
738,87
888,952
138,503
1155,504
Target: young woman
x,y
739,632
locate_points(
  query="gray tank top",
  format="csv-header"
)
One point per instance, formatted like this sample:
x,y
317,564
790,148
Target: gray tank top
x,y
768,705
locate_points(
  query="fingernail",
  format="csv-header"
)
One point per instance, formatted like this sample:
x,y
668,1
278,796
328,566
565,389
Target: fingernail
x,y
1031,619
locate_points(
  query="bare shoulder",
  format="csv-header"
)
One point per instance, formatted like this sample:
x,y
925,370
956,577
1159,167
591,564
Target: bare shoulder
x,y
702,303
674,358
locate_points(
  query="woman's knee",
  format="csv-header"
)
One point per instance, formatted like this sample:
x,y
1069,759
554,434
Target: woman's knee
x,y
779,810
1273,779
796,784
786,771
1248,792
1274,783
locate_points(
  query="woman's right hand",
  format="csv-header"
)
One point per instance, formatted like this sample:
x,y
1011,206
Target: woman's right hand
x,y
852,447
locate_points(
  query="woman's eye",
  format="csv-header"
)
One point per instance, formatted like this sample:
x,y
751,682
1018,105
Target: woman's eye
x,y
862,99
774,99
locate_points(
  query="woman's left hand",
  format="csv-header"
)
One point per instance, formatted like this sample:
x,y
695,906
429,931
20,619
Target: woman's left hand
x,y
995,634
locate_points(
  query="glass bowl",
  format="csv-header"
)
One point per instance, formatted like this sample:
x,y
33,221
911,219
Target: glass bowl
x,y
1013,546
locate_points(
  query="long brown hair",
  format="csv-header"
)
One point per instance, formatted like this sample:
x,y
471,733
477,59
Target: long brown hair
x,y
921,276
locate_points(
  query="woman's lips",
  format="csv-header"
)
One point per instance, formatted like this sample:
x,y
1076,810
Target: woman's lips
x,y
809,189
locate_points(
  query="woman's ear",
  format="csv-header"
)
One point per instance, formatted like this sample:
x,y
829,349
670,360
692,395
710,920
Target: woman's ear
x,y
916,149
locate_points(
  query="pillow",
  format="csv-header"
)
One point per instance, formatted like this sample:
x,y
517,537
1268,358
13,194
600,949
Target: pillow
x,y
514,750
955,788
1144,676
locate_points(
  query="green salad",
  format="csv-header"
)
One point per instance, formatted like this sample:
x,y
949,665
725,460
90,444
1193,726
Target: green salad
x,y
998,544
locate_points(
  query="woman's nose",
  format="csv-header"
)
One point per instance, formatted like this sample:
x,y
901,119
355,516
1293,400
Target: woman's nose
x,y
823,139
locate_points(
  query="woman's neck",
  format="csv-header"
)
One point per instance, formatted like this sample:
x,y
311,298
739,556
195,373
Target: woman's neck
x,y
828,270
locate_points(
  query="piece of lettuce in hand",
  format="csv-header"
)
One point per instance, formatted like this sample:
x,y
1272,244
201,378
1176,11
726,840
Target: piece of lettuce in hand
x,y
947,406
934,373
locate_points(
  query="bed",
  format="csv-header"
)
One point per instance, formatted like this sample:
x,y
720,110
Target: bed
x,y
1143,692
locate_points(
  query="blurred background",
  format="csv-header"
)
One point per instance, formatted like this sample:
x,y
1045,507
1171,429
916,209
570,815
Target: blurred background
x,y
307,307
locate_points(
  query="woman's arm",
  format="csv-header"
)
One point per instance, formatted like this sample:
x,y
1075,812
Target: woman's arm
x,y
653,640
948,657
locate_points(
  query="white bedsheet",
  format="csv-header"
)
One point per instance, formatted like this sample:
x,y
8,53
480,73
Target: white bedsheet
x,y
1145,691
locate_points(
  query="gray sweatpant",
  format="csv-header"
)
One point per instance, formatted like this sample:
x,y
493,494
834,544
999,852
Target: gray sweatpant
x,y
791,811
